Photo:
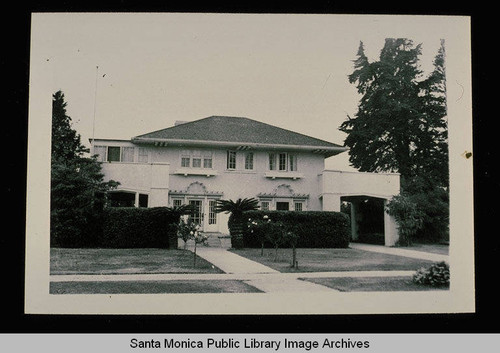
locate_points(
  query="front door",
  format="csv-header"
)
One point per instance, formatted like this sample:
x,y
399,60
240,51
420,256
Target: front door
x,y
197,212
282,206
211,220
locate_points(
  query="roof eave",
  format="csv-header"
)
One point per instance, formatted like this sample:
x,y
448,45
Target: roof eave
x,y
328,151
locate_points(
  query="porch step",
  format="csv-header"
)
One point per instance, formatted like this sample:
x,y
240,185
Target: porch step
x,y
214,240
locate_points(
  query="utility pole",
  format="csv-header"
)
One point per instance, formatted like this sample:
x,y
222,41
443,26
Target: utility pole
x,y
95,101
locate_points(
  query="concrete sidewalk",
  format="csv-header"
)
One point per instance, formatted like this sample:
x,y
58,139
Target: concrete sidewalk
x,y
401,252
230,262
224,276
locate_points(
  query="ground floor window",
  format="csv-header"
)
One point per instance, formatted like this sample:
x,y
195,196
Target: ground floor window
x,y
282,206
121,199
143,200
177,202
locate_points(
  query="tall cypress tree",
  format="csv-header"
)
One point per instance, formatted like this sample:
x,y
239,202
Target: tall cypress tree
x,y
400,126
77,184
433,158
66,143
381,136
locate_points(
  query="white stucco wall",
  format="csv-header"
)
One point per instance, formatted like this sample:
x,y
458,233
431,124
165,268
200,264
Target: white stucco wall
x,y
383,185
336,184
324,188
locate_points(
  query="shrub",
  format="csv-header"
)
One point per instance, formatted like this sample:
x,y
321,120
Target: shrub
x,y
437,275
408,217
314,229
136,228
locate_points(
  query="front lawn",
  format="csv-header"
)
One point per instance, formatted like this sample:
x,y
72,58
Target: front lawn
x,y
325,260
126,261
151,287
372,284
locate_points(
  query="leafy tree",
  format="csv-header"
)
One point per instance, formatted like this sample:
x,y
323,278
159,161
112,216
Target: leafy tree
x,y
77,187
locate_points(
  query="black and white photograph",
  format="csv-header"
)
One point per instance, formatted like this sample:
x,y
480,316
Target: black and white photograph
x,y
220,163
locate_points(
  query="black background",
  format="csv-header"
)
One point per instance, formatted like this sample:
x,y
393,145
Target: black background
x,y
15,62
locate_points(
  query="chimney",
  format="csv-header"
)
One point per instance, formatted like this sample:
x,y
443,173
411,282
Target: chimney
x,y
180,122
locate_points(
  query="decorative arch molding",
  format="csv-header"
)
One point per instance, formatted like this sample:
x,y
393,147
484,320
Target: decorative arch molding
x,y
196,188
283,191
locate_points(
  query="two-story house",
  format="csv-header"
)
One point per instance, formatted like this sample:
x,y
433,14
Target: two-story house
x,y
222,157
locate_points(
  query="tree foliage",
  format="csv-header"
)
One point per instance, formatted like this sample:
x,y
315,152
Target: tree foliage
x,y
400,126
77,187
400,123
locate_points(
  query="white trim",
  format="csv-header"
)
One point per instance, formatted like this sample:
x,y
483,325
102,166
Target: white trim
x,y
380,196
276,174
357,172
196,171
200,143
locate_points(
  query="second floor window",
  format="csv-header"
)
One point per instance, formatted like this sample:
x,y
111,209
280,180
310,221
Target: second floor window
x,y
128,154
113,154
293,162
196,162
282,162
249,161
207,162
185,162
143,155
272,161
196,159
231,159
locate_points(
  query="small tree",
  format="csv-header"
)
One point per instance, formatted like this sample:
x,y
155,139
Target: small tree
x,y
292,238
176,212
408,217
276,235
259,228
187,229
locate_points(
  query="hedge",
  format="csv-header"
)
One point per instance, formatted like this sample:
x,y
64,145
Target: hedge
x,y
136,228
316,229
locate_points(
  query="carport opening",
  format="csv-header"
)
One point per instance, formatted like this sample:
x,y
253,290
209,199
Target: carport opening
x,y
368,213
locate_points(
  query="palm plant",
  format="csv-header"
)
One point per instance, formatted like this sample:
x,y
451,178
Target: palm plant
x,y
235,222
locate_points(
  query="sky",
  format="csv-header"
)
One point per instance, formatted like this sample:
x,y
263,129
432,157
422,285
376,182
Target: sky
x,y
131,73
